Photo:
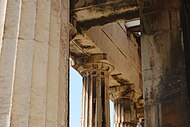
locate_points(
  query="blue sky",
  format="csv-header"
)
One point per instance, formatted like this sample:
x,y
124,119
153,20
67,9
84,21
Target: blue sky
x,y
76,99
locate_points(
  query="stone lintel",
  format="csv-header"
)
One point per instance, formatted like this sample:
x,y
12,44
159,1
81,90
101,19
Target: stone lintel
x,y
110,11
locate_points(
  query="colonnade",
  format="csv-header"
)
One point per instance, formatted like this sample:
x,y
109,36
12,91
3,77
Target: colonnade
x,y
96,96
34,55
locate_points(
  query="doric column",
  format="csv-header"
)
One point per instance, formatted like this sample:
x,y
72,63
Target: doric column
x,y
34,63
95,96
163,64
124,113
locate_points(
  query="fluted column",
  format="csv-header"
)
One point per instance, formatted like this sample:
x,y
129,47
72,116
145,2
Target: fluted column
x,y
95,105
9,27
124,113
34,63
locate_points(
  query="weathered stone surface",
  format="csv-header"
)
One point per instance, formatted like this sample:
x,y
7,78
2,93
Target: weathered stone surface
x,y
163,65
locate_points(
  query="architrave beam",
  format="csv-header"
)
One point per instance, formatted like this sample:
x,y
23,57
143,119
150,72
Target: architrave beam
x,y
107,12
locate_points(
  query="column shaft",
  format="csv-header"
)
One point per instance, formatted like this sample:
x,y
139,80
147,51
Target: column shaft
x,y
95,103
37,87
163,65
125,114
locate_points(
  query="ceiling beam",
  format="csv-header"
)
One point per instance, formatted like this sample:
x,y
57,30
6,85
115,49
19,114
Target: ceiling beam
x,y
107,12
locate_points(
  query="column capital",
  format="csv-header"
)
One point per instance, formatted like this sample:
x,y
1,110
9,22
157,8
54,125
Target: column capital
x,y
93,63
98,66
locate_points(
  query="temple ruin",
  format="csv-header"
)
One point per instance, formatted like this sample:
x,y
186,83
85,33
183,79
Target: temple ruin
x,y
135,53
